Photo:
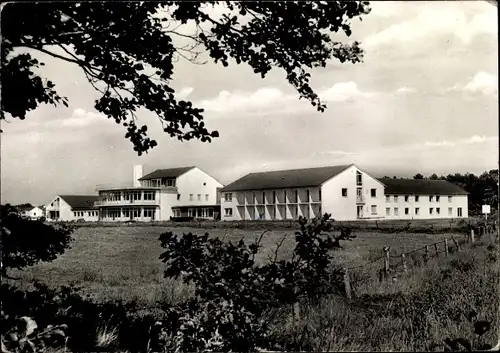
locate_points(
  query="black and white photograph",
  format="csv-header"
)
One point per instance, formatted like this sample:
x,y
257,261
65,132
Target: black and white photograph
x,y
249,176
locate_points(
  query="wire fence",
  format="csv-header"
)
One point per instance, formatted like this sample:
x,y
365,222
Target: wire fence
x,y
402,262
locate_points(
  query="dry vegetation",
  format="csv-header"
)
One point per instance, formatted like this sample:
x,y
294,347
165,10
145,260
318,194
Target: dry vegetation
x,y
420,309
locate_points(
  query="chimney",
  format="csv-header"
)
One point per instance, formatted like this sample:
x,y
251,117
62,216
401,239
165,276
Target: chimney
x,y
137,175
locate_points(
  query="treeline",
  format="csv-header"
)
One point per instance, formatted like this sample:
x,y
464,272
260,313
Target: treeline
x,y
482,189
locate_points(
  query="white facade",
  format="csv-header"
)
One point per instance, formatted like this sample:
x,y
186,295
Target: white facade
x,y
59,210
350,195
191,193
35,213
426,206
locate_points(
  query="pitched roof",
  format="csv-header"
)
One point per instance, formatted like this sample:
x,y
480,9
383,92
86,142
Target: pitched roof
x,y
166,173
285,178
80,202
421,187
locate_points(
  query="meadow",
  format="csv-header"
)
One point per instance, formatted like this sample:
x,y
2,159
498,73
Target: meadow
x,y
413,311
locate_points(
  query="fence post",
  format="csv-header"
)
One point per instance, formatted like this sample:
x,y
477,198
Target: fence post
x,y
426,258
296,312
445,247
403,260
472,236
436,249
456,244
386,262
347,284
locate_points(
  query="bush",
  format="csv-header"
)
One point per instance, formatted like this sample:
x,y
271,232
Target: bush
x,y
233,294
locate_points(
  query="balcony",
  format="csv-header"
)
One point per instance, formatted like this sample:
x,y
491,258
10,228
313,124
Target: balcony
x,y
360,199
126,203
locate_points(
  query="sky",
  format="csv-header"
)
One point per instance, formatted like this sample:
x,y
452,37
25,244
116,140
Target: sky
x,y
424,100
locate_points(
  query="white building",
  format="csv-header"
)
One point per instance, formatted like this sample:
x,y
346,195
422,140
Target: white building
x,y
424,199
162,195
31,212
72,208
346,192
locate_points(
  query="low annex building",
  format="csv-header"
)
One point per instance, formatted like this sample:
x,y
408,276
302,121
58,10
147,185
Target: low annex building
x,y
344,191
72,208
424,199
162,195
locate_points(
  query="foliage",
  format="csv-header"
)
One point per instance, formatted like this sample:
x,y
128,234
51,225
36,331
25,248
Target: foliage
x,y
27,242
127,51
233,293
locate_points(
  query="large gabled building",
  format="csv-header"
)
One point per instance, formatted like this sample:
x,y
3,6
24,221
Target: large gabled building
x,y
72,208
162,195
344,191
424,199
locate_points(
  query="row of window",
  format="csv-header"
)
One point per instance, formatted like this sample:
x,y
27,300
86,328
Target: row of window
x,y
156,183
191,197
417,211
85,213
417,198
128,195
228,197
129,213
359,192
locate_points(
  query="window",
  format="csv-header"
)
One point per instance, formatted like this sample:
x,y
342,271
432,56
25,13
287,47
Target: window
x,y
395,198
149,213
359,178
137,212
449,198
417,211
388,211
438,198
191,197
407,198
308,195
137,195
199,197
459,212
284,196
190,212
206,197
126,196
407,210
396,211
126,212
296,195
388,198
431,210
344,192
227,197
264,197
178,197
438,210
450,211
374,209
149,195
74,213
431,198
177,212
373,192
416,198
171,182
228,212
274,196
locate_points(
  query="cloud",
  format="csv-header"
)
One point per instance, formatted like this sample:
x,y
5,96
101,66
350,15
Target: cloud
x,y
269,97
81,118
482,83
437,19
184,93
474,139
405,90
338,153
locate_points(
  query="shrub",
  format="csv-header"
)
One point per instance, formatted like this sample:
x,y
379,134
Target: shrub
x,y
232,293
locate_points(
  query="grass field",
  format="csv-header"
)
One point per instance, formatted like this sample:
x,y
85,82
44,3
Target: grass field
x,y
123,263
423,307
